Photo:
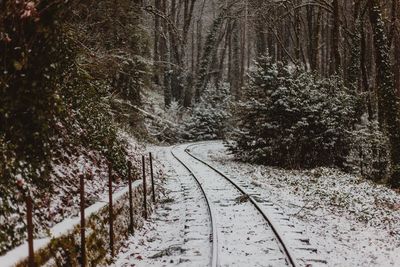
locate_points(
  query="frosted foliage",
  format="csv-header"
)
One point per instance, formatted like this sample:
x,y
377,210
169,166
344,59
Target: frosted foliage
x,y
209,116
174,112
369,154
292,118
205,121
167,125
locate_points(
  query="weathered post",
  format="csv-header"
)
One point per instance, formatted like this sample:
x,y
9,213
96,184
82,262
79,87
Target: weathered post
x,y
152,178
29,212
130,197
82,208
110,209
144,190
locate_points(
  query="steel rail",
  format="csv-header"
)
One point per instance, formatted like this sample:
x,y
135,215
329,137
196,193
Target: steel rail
x,y
285,250
214,234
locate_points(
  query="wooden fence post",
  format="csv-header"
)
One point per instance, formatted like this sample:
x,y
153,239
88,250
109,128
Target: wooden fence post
x,y
144,190
82,207
130,197
29,215
152,178
110,209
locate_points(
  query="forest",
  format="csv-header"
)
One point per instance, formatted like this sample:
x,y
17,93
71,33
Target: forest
x,y
309,83
294,84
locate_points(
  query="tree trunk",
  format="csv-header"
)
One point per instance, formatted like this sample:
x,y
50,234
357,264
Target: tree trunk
x,y
354,63
165,57
261,44
388,106
221,64
313,37
364,73
335,56
396,41
235,71
243,46
156,56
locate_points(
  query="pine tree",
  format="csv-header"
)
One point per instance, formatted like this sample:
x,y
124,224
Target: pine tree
x,y
210,116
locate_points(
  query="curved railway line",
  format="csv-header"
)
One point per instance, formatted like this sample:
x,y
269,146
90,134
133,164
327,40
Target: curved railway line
x,y
213,234
287,256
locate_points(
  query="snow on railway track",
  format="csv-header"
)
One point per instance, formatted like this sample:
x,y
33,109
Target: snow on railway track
x,y
297,245
178,232
209,218
246,236
293,243
213,234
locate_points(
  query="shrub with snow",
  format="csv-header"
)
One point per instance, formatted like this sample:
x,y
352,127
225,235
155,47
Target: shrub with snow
x,y
369,154
166,126
292,118
207,120
209,117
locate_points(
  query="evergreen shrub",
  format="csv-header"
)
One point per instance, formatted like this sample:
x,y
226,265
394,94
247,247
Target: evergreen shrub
x,y
292,118
209,117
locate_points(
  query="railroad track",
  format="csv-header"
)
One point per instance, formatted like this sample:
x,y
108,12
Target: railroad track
x,y
211,182
213,235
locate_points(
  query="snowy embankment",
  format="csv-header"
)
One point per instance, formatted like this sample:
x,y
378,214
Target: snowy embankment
x,y
56,216
351,221
66,227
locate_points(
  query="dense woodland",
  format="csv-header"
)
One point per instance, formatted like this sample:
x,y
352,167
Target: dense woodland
x,y
294,84
315,79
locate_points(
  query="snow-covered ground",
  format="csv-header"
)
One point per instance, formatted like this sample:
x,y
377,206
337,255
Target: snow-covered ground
x,y
351,221
179,230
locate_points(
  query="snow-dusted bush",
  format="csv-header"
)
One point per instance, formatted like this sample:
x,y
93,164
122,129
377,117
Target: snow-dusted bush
x,y
292,118
209,117
167,125
206,120
369,153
